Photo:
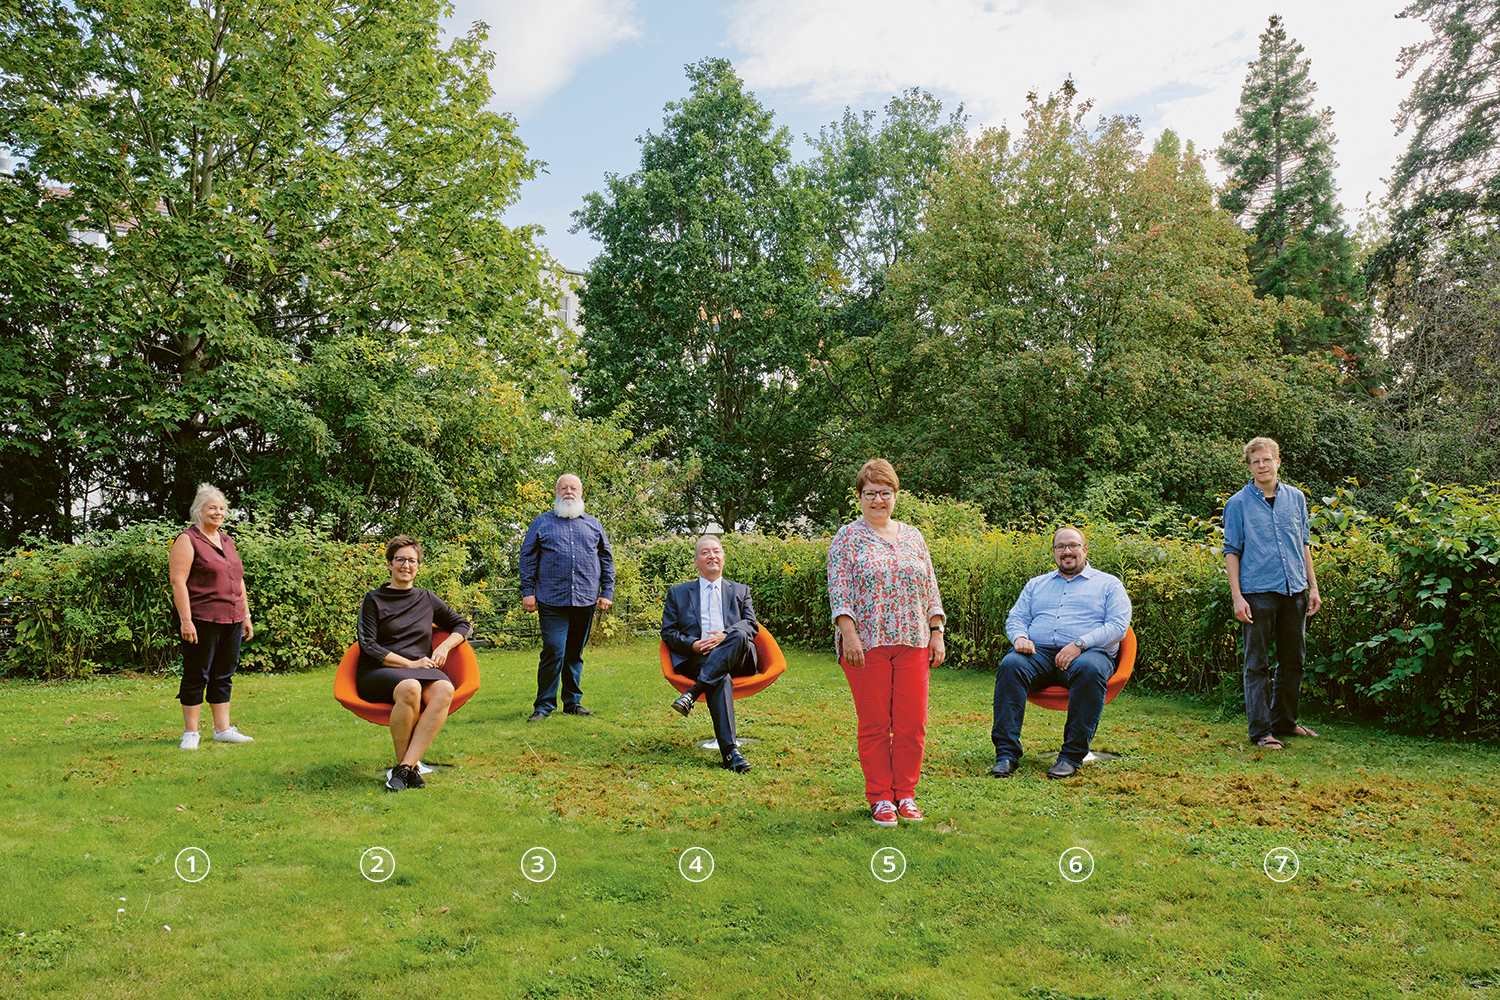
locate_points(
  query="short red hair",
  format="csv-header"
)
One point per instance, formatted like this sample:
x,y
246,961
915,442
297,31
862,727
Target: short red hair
x,y
877,470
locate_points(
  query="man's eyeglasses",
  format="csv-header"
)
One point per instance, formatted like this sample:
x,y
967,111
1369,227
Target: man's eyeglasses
x,y
1067,547
877,494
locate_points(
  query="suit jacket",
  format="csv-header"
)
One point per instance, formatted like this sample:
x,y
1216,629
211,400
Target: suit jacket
x,y
681,625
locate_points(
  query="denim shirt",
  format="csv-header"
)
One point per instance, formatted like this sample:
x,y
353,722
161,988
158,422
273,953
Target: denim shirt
x,y
566,561
1269,540
1053,611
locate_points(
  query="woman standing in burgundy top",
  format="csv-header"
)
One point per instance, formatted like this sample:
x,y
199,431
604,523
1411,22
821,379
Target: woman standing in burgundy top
x,y
885,603
213,612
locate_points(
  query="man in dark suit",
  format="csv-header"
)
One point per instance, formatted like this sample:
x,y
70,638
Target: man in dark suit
x,y
709,626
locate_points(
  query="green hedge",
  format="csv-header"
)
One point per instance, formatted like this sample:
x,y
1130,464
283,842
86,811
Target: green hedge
x,y
1409,630
1180,593
68,611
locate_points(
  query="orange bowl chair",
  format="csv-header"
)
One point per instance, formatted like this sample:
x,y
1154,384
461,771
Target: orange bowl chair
x,y
462,669
769,665
1055,696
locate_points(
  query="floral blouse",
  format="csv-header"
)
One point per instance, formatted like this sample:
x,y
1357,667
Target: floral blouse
x,y
888,589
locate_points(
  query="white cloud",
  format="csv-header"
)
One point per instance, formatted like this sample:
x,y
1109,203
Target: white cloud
x,y
540,44
1175,63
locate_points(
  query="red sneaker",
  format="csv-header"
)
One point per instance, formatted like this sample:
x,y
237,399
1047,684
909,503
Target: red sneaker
x,y
907,810
883,813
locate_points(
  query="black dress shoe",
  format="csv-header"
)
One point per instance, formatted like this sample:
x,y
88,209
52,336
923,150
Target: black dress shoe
x,y
578,710
684,705
736,762
1062,769
538,716
1004,768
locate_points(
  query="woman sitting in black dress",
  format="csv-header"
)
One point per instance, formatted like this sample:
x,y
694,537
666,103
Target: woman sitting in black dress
x,y
397,663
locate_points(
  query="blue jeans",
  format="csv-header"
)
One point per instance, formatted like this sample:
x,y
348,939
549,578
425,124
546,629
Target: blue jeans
x,y
564,633
1020,674
1272,689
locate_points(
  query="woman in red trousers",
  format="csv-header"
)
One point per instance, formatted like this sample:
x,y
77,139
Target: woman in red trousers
x,y
885,603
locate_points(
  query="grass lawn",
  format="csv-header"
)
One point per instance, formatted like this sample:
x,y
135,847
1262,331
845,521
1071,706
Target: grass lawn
x,y
1395,896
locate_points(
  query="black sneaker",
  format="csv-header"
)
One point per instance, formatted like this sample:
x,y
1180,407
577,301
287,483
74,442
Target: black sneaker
x,y
404,776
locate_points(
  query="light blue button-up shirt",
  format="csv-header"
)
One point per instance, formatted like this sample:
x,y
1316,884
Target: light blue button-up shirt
x,y
1269,540
710,606
1053,611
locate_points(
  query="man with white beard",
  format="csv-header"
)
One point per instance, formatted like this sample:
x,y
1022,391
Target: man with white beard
x,y
567,570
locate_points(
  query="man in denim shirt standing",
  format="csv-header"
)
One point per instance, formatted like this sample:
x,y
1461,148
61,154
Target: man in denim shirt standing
x,y
1268,554
1065,628
567,570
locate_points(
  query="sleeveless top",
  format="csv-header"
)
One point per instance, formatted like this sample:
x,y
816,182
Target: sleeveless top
x,y
216,581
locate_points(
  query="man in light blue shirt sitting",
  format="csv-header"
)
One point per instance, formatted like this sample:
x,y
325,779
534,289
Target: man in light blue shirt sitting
x,y
1066,629
1268,556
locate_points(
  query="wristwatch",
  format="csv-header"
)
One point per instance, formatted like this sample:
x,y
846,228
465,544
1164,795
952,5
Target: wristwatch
x,y
934,628
1083,647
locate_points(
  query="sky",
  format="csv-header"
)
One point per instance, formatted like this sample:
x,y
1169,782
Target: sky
x,y
585,78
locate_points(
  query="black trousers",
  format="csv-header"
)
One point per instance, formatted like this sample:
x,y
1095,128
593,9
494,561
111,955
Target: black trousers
x,y
210,662
712,675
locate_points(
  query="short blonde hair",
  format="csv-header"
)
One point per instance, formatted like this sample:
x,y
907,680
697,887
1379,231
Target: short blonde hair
x,y
877,470
200,500
1069,527
1262,444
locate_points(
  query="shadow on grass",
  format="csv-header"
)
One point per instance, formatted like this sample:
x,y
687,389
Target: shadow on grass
x,y
344,776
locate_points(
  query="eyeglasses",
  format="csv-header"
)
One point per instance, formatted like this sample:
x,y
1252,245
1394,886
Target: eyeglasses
x,y
1068,547
877,494
406,561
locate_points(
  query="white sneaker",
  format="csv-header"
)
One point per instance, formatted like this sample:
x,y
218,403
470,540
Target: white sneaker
x,y
232,735
189,741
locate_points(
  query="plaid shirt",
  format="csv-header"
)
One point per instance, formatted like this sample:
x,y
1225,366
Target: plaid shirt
x,y
566,562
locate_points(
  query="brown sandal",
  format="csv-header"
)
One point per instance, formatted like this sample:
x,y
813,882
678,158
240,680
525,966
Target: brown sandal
x,y
1269,742
1301,731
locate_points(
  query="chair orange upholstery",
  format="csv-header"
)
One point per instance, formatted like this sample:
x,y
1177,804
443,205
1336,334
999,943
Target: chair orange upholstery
x,y
462,669
1055,696
770,663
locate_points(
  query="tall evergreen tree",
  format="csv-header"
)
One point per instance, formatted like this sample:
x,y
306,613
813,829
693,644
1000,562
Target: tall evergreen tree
x,y
1279,160
1448,181
1439,267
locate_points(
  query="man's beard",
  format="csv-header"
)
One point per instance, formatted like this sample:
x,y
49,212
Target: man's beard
x,y
568,507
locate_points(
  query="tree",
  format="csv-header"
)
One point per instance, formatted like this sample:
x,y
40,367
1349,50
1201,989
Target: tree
x,y
1279,185
292,200
1445,402
1448,180
1076,328
700,311
1435,268
874,182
